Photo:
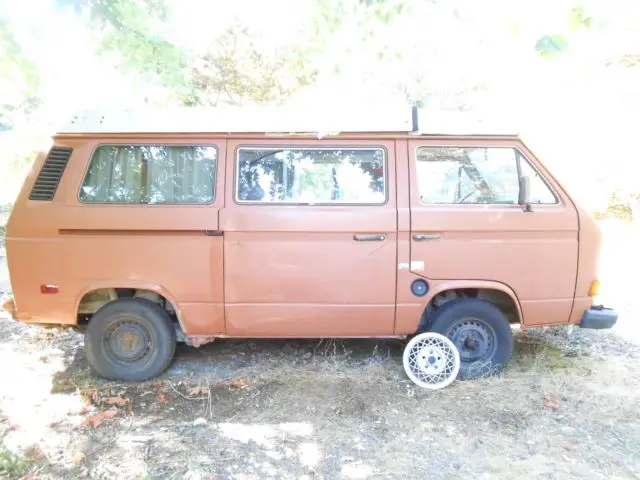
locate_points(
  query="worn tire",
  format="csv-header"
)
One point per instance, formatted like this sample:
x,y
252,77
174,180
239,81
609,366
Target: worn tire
x,y
130,339
468,322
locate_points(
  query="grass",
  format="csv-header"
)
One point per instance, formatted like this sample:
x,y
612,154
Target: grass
x,y
12,466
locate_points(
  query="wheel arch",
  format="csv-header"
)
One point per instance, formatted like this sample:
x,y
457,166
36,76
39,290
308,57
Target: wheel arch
x,y
130,284
458,286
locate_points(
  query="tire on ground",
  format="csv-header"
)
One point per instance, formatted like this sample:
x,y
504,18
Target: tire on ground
x,y
480,318
141,316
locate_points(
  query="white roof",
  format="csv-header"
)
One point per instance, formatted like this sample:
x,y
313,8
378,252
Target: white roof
x,y
330,120
242,119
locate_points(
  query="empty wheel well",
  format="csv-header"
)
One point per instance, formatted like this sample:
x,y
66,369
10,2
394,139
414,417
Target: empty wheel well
x,y
95,299
500,299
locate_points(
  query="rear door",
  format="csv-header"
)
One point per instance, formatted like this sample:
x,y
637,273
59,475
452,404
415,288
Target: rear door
x,y
466,223
310,235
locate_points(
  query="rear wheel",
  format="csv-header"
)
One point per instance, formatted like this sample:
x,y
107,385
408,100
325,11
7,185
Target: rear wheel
x,y
130,339
480,332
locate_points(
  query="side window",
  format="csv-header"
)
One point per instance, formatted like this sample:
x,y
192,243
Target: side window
x,y
150,174
305,175
540,193
476,175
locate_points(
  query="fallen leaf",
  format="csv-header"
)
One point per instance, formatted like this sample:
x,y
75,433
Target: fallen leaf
x,y
148,392
84,410
33,452
157,385
198,391
551,402
119,401
89,395
162,398
78,458
95,420
238,383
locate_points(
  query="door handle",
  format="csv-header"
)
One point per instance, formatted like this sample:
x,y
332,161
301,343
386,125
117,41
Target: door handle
x,y
419,237
369,238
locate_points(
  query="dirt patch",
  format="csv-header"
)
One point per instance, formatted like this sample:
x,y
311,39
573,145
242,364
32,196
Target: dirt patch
x,y
566,407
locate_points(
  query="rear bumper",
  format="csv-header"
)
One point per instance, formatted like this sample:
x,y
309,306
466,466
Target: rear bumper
x,y
9,306
599,317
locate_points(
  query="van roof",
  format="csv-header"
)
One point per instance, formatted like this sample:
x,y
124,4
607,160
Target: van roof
x,y
281,120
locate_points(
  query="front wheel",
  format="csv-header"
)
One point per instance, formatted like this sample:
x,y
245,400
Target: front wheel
x,y
480,332
130,339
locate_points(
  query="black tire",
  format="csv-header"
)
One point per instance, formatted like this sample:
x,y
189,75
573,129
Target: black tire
x,y
480,332
130,339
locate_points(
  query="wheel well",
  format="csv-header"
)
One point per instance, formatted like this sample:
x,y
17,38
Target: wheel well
x,y
500,299
94,300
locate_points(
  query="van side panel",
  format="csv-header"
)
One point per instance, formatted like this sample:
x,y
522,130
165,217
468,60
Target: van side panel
x,y
34,256
163,248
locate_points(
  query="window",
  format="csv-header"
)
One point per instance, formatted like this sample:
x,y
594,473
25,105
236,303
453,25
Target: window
x,y
304,175
150,174
487,175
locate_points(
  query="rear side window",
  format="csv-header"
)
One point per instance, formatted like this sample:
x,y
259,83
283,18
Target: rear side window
x,y
150,174
306,175
485,175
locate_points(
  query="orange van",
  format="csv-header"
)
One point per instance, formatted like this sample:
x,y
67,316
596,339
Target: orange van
x,y
145,229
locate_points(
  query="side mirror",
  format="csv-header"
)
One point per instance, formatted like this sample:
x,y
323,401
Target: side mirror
x,y
524,195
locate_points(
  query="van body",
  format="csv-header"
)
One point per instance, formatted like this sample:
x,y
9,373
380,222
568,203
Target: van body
x,y
233,231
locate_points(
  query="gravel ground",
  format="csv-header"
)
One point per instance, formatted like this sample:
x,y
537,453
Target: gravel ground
x,y
567,406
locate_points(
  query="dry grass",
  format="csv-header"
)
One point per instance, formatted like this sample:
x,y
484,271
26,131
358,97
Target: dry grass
x,y
344,409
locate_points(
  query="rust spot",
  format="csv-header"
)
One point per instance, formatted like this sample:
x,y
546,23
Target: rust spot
x,y
199,341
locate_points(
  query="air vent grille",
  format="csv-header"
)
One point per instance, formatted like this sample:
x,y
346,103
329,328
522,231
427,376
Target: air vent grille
x,y
49,177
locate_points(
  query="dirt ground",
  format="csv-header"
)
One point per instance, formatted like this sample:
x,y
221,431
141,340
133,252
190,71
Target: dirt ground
x,y
567,406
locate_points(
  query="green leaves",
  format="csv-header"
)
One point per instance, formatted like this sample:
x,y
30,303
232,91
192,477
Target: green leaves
x,y
135,30
554,44
551,45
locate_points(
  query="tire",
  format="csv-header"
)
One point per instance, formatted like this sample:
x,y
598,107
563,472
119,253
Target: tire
x,y
130,339
480,332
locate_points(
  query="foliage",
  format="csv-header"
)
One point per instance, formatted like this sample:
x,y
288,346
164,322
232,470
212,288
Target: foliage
x,y
134,30
19,77
11,466
577,20
233,68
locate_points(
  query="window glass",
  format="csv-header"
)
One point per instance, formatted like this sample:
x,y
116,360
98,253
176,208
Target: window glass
x,y
311,175
487,175
150,174
539,191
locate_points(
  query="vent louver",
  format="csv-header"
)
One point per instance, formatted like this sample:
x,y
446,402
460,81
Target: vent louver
x,y
49,177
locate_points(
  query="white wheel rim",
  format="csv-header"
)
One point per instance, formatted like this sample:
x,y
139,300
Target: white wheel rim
x,y
431,360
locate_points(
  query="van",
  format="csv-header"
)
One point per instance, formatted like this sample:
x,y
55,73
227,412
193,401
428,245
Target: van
x,y
149,228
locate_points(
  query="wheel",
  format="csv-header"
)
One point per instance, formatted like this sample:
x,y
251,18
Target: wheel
x,y
130,339
480,332
431,360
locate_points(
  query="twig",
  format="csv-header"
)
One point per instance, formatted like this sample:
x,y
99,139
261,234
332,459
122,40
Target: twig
x,y
210,407
184,396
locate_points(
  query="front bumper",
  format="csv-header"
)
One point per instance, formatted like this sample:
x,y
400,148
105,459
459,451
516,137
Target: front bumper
x,y
599,317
